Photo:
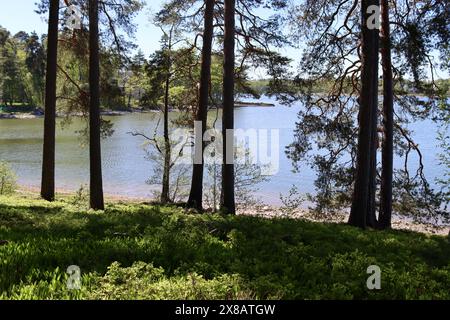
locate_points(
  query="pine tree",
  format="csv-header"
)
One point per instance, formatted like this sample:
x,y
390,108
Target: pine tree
x,y
96,182
196,194
48,161
388,121
364,186
228,200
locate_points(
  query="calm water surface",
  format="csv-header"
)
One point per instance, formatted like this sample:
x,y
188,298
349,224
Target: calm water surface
x,y
126,170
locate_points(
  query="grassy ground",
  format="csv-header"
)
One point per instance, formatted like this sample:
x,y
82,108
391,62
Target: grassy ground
x,y
137,251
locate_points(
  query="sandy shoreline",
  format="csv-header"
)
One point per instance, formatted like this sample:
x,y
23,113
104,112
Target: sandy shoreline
x,y
34,191
398,222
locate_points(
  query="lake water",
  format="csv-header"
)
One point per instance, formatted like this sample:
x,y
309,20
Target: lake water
x,y
126,170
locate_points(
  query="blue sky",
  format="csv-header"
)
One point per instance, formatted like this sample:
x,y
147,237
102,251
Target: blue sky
x,y
19,15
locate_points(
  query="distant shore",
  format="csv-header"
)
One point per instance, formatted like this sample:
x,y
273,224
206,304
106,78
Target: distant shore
x,y
38,112
240,104
31,115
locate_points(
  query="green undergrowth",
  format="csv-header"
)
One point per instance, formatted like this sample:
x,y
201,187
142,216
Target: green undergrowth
x,y
141,251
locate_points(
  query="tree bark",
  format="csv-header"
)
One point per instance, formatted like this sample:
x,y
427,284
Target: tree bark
x,y
196,194
371,219
165,197
48,157
388,121
96,183
368,101
228,205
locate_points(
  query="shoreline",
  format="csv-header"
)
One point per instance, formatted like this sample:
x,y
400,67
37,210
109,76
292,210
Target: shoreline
x,y
401,223
34,191
38,114
30,115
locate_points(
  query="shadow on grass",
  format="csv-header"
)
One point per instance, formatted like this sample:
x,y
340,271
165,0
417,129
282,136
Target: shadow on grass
x,y
297,259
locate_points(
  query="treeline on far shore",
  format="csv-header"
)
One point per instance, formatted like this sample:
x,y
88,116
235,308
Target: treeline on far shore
x,y
296,86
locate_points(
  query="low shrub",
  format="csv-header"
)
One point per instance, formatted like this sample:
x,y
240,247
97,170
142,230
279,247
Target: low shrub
x,y
7,179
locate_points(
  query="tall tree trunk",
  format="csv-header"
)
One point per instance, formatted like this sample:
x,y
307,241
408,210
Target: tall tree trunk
x,y
371,219
48,158
165,197
96,183
228,202
368,101
196,194
388,121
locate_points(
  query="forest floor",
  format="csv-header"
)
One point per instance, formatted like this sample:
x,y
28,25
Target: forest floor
x,y
135,250
399,222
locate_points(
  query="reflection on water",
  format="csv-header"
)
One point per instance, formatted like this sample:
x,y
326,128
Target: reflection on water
x,y
125,168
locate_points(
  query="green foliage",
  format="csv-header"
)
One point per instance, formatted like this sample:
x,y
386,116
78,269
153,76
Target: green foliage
x,y
326,133
180,68
7,179
81,198
144,281
22,68
444,159
136,251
